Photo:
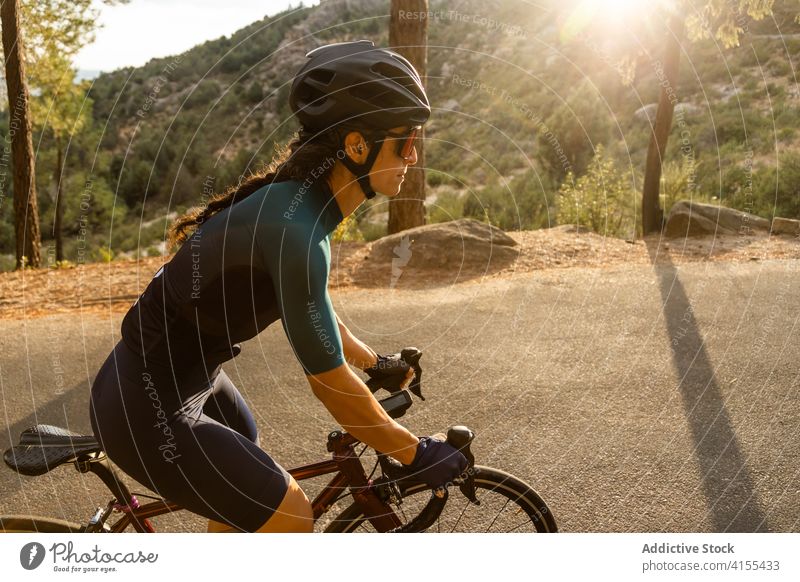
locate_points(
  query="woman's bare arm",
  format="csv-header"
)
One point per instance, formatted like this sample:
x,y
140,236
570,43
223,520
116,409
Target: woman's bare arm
x,y
354,407
355,351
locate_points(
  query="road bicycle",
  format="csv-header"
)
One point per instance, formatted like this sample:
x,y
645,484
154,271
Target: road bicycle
x,y
488,500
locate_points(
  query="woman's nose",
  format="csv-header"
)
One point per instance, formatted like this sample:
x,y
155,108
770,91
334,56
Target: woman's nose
x,y
412,159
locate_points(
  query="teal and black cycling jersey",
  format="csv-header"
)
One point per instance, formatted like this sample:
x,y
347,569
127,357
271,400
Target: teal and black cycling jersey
x,y
264,258
161,405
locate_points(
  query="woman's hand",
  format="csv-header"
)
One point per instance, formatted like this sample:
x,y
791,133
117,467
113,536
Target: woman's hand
x,y
436,462
390,372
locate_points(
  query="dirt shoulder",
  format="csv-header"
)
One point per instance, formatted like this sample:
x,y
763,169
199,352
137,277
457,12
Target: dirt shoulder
x,y
114,286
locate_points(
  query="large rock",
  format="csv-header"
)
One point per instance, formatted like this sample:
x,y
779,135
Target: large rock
x,y
647,112
696,219
786,226
459,249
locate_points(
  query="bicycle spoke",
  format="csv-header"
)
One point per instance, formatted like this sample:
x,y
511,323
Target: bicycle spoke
x,y
506,505
498,514
461,515
522,523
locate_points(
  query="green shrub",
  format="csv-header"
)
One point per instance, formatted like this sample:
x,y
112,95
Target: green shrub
x,y
347,231
373,231
255,93
787,117
521,204
565,141
104,254
776,92
7,263
449,205
435,177
676,183
779,66
203,94
777,189
602,200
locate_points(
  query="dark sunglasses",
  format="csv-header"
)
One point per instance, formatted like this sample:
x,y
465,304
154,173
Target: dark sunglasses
x,y
405,141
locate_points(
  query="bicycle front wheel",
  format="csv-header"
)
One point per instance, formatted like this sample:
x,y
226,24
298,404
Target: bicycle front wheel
x,y
507,504
30,524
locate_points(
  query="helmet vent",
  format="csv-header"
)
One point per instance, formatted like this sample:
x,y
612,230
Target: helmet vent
x,y
321,76
387,71
367,91
396,75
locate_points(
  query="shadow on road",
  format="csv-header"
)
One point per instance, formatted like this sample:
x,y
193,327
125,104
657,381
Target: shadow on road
x,y
68,410
731,498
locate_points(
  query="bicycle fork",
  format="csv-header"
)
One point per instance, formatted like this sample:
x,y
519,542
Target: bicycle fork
x,y
378,512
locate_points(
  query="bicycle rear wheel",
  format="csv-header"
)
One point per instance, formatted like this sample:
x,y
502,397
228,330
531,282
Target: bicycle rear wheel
x,y
508,504
32,524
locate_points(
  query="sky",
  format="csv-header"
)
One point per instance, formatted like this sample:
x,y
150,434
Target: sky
x,y
134,33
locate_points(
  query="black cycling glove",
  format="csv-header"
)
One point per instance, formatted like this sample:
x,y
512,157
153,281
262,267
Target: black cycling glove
x,y
389,373
437,462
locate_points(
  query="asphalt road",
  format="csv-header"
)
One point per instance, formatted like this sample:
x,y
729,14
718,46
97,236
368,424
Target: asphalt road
x,y
632,398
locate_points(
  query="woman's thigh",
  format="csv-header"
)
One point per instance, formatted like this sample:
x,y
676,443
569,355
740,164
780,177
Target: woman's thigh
x,y
191,459
219,473
226,405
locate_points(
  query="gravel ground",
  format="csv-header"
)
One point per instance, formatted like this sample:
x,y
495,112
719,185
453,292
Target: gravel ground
x,y
104,287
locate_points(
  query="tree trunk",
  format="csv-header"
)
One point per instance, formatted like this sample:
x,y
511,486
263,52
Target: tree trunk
x,y
409,37
59,204
652,213
26,212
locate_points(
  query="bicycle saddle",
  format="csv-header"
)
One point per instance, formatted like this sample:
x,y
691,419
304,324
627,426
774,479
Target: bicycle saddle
x,y
44,447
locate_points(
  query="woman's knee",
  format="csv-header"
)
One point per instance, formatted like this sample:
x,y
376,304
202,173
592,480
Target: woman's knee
x,y
294,514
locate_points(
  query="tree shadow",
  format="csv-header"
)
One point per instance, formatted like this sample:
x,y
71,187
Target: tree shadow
x,y
728,488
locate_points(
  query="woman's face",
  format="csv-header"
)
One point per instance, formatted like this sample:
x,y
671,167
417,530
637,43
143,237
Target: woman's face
x,y
388,172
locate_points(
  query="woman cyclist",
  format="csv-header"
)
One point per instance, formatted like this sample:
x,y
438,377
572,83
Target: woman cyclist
x,y
162,407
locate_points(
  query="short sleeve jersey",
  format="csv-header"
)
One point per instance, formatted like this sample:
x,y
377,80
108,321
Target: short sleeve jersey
x,y
264,258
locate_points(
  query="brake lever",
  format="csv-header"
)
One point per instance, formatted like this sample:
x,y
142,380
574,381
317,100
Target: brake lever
x,y
411,357
460,437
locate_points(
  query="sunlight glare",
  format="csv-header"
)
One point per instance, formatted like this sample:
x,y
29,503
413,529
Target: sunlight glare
x,y
608,14
618,7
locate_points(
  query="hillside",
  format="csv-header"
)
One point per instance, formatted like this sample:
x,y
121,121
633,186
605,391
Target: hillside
x,y
519,109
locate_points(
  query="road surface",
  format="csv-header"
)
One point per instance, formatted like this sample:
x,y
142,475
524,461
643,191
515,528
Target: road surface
x,y
633,398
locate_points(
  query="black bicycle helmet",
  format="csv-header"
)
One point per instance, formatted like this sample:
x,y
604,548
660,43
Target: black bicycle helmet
x,y
356,85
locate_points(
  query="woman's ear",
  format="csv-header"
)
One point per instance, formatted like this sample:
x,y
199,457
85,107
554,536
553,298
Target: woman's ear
x,y
356,147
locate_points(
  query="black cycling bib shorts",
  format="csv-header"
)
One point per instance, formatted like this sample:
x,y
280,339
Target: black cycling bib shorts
x,y
162,407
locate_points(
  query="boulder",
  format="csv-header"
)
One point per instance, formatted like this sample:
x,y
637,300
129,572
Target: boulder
x,y
686,109
463,248
786,226
452,105
647,112
696,219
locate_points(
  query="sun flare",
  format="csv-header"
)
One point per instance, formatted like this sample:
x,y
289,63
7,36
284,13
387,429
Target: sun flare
x,y
608,14
615,6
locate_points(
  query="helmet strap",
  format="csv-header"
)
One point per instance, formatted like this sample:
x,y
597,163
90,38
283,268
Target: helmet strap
x,y
361,171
